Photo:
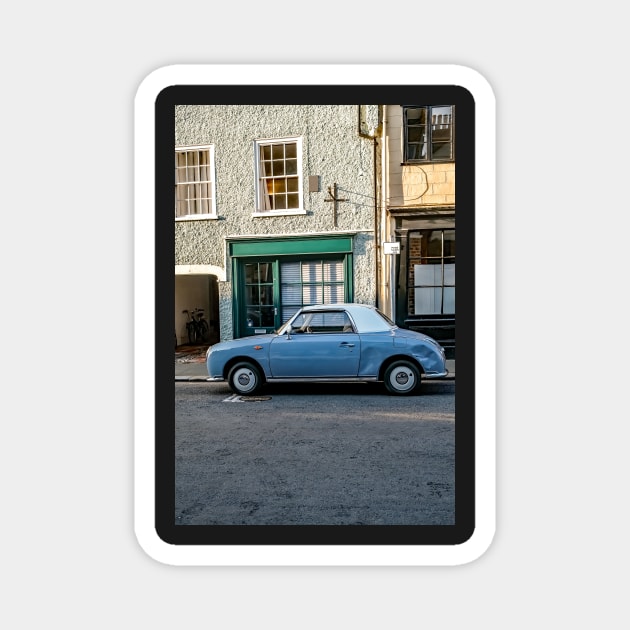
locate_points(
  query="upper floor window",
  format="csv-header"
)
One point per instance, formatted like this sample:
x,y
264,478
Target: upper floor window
x,y
279,176
194,183
429,133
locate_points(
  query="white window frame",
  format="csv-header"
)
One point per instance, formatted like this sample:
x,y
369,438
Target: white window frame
x,y
212,181
260,210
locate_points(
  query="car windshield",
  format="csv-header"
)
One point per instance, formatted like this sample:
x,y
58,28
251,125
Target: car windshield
x,y
284,326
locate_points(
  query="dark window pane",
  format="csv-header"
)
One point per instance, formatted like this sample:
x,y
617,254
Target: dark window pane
x,y
449,242
291,167
266,272
267,316
416,134
251,294
441,151
250,273
416,115
417,152
278,168
434,243
266,295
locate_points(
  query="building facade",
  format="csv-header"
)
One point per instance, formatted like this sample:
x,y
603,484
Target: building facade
x,y
275,207
417,213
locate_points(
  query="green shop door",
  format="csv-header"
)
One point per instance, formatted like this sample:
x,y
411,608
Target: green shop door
x,y
273,278
258,312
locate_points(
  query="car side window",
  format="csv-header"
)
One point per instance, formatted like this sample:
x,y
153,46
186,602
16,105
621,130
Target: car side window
x,y
323,323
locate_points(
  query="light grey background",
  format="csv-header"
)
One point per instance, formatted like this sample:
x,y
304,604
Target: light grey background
x,y
69,556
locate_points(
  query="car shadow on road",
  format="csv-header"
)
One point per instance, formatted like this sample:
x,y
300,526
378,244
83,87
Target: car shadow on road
x,y
350,389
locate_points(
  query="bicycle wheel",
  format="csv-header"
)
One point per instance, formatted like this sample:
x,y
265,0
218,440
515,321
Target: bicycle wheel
x,y
204,330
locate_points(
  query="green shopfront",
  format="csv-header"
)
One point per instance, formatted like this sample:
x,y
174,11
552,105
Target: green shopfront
x,y
273,277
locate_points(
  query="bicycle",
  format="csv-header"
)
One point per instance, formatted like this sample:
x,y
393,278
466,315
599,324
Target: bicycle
x,y
197,326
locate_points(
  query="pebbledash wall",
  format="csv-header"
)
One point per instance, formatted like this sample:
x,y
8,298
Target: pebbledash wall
x,y
337,146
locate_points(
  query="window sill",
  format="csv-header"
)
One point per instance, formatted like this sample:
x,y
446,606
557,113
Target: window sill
x,y
278,213
198,217
422,162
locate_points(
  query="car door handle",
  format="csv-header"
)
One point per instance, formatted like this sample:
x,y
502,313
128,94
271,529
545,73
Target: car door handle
x,y
346,344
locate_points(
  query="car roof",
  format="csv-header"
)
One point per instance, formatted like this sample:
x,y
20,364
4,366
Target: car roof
x,y
367,318
350,306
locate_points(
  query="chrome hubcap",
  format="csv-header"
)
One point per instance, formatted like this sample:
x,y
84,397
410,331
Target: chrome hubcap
x,y
402,379
245,379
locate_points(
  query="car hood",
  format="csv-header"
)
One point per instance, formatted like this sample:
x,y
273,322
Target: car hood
x,y
245,342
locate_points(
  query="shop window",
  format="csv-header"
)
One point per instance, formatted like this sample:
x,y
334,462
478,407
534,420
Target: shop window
x,y
310,282
431,281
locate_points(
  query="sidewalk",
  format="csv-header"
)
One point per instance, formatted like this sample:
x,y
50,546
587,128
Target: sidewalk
x,y
190,364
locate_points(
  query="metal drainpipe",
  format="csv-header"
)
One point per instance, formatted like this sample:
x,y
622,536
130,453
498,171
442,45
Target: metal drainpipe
x,y
384,194
377,247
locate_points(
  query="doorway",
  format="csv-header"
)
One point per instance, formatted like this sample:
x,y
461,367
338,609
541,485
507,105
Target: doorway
x,y
200,293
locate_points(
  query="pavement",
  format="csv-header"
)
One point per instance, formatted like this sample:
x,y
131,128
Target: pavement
x,y
190,364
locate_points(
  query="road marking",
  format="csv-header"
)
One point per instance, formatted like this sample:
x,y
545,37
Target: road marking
x,y
237,398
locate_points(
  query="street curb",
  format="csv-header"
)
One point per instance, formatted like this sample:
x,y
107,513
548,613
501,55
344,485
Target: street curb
x,y
204,379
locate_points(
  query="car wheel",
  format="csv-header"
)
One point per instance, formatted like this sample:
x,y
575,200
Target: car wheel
x,y
245,379
402,378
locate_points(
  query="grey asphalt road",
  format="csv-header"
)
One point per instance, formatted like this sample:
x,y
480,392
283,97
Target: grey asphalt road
x,y
321,455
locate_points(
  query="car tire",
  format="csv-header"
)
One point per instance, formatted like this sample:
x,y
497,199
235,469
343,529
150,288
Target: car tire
x,y
245,379
402,378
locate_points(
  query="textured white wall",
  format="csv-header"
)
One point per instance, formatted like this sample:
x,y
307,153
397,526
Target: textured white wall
x,y
332,149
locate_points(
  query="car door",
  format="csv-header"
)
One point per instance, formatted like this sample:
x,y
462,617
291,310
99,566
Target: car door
x,y
321,345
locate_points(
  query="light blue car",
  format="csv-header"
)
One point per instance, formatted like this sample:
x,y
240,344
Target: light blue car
x,y
330,344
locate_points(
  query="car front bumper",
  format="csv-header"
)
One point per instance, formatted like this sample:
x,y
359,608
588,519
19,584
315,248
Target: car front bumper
x,y
435,374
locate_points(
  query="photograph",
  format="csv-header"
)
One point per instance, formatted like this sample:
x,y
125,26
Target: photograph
x,y
313,315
